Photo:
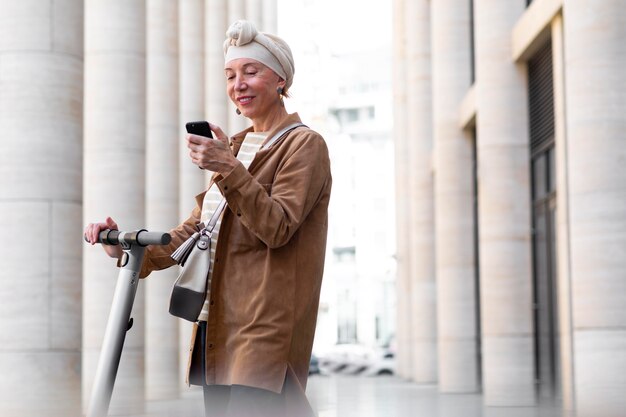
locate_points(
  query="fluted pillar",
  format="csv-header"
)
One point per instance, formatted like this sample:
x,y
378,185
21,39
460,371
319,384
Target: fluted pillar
x,y
114,178
41,95
595,56
423,339
564,281
454,196
162,145
216,100
504,209
236,10
236,122
270,16
254,12
400,138
191,107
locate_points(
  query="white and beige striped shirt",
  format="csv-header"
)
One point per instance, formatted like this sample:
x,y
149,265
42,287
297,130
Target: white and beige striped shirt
x,y
250,146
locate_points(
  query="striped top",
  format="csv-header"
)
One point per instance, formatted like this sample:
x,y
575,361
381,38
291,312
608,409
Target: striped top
x,y
213,197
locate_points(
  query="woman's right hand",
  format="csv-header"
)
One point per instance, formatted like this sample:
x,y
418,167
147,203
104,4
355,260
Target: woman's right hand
x,y
91,234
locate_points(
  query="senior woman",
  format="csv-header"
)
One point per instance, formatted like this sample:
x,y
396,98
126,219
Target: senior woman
x,y
252,343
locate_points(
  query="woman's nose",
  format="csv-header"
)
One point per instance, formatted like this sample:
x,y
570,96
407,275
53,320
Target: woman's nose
x,y
239,84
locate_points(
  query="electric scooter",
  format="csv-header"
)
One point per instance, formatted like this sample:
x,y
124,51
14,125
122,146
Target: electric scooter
x,y
133,245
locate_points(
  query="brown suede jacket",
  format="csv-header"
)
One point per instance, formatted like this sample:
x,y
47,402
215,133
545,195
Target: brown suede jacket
x,y
268,265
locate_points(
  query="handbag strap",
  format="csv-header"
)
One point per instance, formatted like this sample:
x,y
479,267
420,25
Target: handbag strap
x,y
210,225
281,133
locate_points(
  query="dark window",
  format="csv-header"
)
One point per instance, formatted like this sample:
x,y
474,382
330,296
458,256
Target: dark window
x,y
544,278
351,115
476,254
541,99
543,189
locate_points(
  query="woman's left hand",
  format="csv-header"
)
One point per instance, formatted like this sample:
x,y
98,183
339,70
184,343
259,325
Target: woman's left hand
x,y
212,154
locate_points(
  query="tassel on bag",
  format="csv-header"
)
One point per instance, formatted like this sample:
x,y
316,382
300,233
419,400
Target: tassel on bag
x,y
181,254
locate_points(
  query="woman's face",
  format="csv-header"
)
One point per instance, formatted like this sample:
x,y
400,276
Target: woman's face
x,y
252,87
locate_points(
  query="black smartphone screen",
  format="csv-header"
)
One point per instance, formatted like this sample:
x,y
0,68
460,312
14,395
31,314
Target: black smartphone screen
x,y
200,128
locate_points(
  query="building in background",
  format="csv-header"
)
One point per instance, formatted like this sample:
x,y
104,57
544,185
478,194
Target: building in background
x,y
510,187
344,91
363,240
509,130
102,89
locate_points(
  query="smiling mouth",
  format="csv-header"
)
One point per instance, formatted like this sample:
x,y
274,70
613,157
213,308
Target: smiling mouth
x,y
244,100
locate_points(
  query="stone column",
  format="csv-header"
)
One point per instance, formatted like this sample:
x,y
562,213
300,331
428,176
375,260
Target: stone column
x,y
454,196
403,317
41,97
595,55
216,100
162,145
420,193
254,12
562,217
270,16
191,107
236,122
114,178
504,209
236,10
191,97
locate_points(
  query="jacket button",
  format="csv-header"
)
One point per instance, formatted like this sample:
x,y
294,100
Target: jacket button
x,y
238,214
212,302
210,345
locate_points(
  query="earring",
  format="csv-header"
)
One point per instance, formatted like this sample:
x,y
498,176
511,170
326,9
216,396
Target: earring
x,y
238,111
279,90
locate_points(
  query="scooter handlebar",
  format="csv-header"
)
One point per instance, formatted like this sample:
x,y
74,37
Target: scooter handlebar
x,y
140,237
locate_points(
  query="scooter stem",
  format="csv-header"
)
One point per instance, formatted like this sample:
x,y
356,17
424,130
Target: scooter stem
x,y
119,322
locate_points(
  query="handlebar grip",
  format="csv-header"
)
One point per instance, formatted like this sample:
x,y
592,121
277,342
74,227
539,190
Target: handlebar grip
x,y
109,237
145,238
140,237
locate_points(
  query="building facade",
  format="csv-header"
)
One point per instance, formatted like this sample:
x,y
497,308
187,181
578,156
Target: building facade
x,y
509,127
345,93
93,100
362,243
510,202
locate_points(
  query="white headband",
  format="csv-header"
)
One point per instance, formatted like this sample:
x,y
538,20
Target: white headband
x,y
258,52
244,41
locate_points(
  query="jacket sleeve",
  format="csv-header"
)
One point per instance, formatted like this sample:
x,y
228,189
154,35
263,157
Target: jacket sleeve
x,y
274,216
158,257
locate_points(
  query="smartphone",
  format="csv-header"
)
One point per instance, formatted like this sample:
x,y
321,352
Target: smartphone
x,y
200,128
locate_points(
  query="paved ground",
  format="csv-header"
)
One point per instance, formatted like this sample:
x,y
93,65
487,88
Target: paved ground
x,y
345,396
342,396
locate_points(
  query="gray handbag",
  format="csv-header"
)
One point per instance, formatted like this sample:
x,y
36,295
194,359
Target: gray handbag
x,y
190,288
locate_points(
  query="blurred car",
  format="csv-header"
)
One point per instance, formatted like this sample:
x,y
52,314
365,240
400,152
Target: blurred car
x,y
382,363
340,357
358,359
314,365
354,359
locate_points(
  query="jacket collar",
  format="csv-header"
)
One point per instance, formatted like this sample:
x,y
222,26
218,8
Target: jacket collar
x,y
238,138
